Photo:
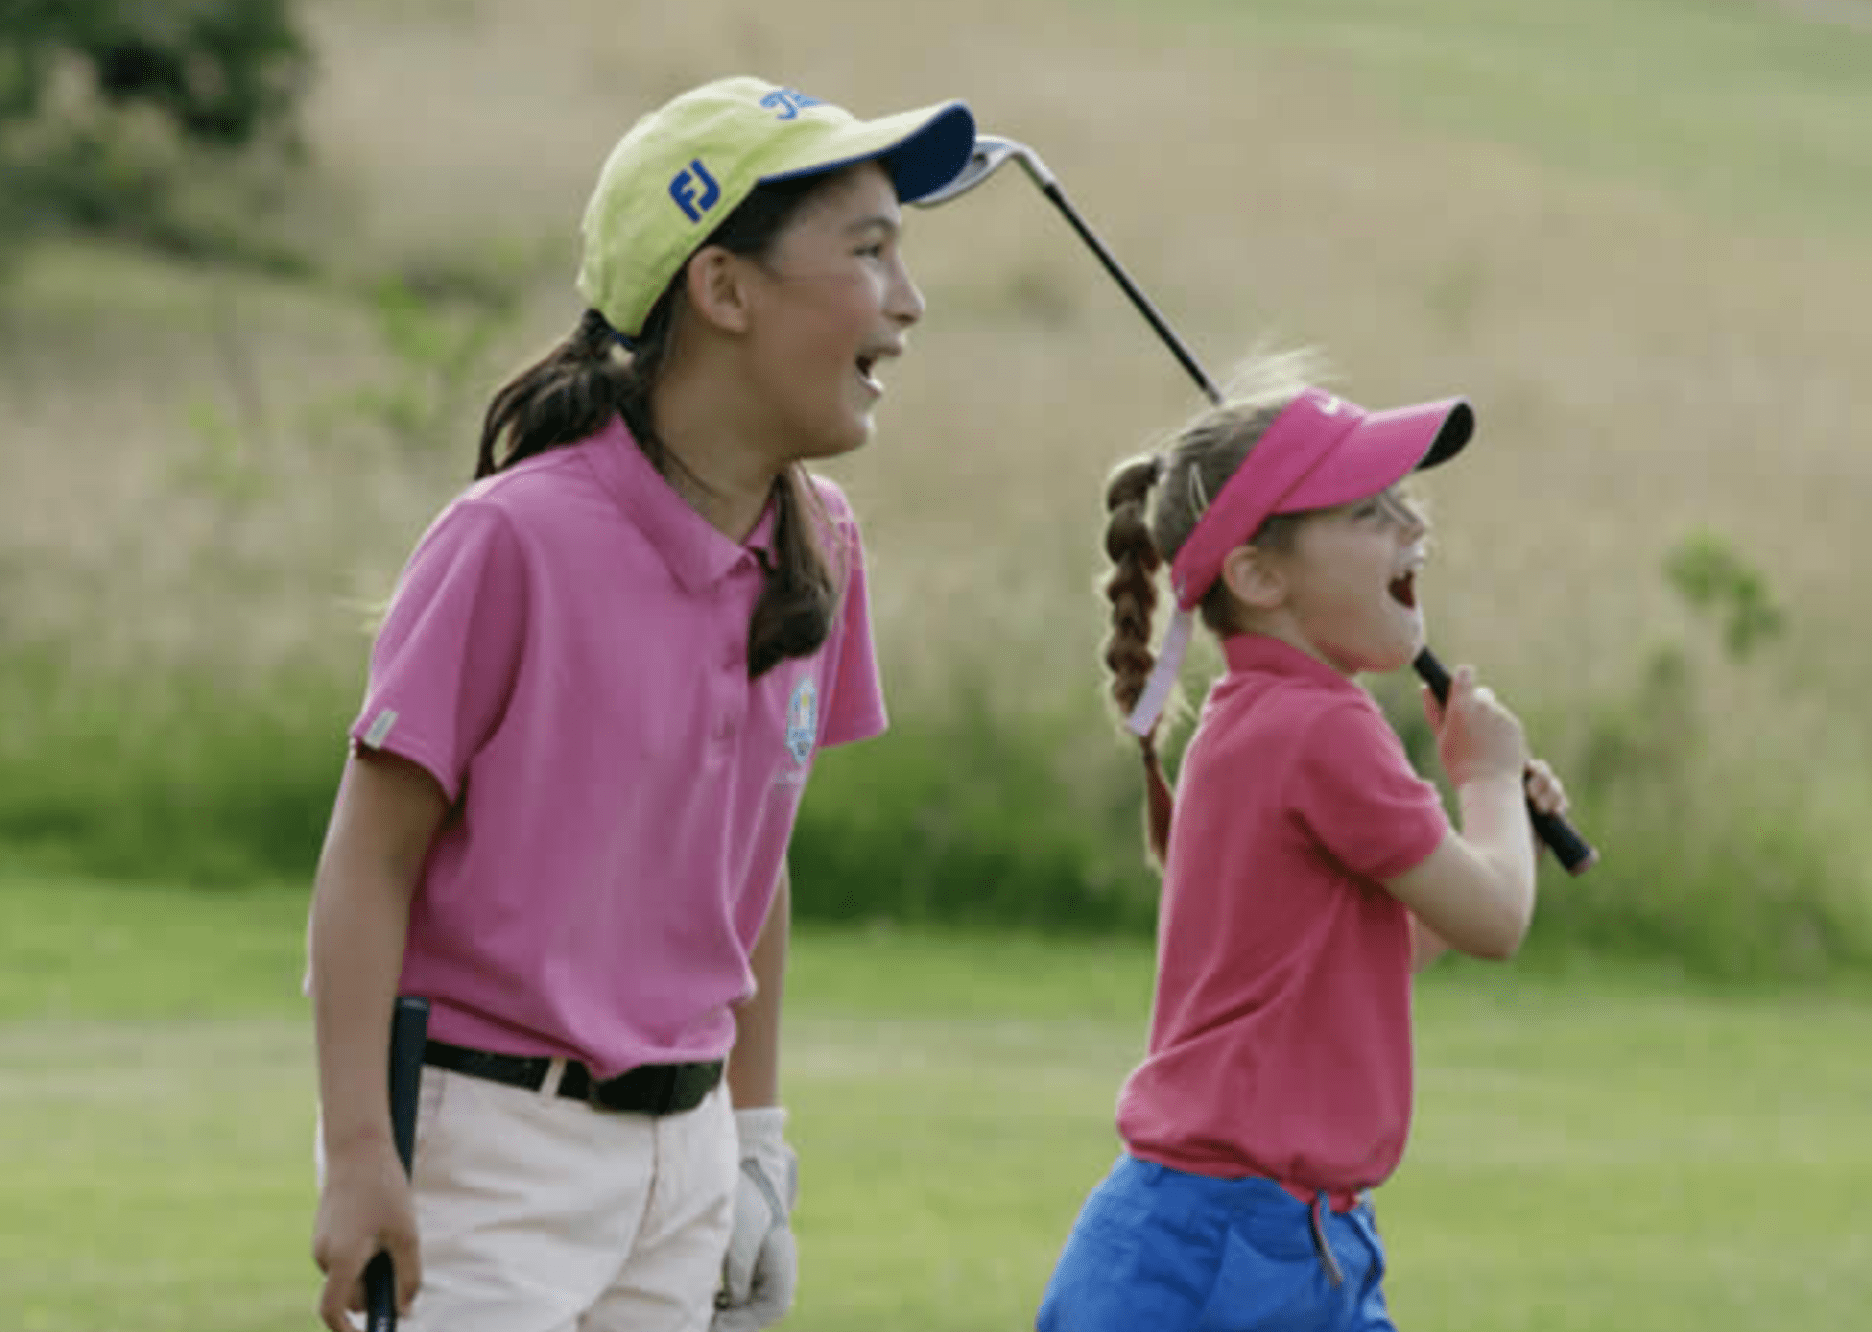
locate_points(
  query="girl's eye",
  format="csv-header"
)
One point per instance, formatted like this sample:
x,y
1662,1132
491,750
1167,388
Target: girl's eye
x,y
872,251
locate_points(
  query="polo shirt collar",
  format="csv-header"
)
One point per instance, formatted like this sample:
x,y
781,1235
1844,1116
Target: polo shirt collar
x,y
1259,652
698,555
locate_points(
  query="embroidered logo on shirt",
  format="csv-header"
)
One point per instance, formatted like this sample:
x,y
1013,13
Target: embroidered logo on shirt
x,y
380,728
802,720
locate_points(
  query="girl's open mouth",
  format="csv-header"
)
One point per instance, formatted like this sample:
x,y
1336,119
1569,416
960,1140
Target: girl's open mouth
x,y
1403,589
864,365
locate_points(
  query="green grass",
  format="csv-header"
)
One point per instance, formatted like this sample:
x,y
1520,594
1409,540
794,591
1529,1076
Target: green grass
x,y
1604,1150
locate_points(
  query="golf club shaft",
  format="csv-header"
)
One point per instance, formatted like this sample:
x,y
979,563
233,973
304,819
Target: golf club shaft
x,y
1573,851
1183,354
409,1033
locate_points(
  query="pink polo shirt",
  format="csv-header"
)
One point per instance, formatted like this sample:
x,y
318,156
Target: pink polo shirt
x,y
1280,1040
566,654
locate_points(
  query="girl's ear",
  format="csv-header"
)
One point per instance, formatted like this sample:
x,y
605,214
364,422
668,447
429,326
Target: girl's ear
x,y
1256,577
716,285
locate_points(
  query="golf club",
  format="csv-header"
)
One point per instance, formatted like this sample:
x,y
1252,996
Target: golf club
x,y
409,1030
991,154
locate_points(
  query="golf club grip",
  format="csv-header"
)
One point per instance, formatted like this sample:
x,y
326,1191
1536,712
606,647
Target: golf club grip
x,y
409,1034
1573,852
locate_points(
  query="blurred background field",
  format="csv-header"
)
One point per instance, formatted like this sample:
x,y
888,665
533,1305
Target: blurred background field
x,y
238,383
239,377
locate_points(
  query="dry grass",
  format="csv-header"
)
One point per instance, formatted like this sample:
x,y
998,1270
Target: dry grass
x,y
1639,369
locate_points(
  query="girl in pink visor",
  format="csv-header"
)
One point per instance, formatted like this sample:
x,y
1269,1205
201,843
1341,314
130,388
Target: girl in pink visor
x,y
594,703
1308,870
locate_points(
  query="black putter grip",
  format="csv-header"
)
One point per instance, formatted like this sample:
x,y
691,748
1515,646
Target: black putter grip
x,y
1573,852
409,1033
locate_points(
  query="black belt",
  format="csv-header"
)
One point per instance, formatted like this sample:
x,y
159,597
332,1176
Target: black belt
x,y
649,1089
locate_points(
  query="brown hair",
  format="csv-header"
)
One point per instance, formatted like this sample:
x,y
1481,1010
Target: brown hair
x,y
574,390
1153,502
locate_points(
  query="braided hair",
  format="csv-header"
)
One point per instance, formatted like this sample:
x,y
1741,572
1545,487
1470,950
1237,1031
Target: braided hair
x,y
1152,504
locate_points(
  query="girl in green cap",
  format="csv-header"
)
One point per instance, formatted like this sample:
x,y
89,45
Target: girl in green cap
x,y
592,708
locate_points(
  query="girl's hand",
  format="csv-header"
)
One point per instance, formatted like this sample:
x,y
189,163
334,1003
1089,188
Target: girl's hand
x,y
1544,790
365,1206
1477,737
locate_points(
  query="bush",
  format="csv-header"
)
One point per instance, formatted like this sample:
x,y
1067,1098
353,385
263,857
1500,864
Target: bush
x,y
185,780
965,818
1740,863
170,124
226,72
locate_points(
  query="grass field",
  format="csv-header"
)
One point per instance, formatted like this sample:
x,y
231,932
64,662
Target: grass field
x,y
1592,1152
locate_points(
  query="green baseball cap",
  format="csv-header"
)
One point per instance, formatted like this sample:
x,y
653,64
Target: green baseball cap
x,y
686,166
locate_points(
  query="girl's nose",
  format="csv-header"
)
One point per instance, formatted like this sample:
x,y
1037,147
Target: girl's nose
x,y
905,303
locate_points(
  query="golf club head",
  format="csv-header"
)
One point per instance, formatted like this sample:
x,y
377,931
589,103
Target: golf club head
x,y
991,151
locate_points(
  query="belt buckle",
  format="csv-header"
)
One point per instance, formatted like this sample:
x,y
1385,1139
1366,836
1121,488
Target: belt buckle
x,y
664,1081
595,1093
653,1089
647,1089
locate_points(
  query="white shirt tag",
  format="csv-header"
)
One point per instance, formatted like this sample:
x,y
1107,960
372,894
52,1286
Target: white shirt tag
x,y
380,728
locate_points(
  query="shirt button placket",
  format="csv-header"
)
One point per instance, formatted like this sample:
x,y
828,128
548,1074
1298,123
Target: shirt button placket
x,y
727,692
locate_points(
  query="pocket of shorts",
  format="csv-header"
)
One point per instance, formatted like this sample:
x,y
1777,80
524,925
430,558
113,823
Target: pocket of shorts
x,y
1123,1267
1269,1292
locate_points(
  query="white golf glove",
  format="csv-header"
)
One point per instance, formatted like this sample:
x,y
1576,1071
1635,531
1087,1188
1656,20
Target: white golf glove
x,y
762,1265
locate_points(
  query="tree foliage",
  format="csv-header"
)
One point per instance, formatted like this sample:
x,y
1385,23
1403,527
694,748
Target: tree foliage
x,y
156,120
226,72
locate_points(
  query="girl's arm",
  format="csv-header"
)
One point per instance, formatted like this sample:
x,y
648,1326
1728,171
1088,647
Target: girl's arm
x,y
754,1066
1425,945
387,811
1476,890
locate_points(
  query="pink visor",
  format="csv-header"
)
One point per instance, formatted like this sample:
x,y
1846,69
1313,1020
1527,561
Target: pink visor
x,y
1320,452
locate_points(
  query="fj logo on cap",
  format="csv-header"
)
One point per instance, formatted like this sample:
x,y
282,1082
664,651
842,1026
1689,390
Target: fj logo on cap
x,y
684,190
788,102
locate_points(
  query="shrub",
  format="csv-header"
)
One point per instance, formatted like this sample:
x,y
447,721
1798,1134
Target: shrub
x,y
1734,862
170,124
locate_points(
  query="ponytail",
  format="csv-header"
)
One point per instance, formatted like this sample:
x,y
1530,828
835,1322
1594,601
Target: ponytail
x,y
1132,591
793,617
565,396
577,388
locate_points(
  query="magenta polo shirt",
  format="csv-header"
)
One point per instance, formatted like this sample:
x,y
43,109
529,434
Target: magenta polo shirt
x,y
566,654
1280,1039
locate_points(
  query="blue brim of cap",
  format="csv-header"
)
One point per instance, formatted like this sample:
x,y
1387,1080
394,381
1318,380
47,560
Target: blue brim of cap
x,y
934,155
923,162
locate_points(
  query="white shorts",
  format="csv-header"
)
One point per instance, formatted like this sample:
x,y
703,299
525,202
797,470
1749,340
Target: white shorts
x,y
537,1213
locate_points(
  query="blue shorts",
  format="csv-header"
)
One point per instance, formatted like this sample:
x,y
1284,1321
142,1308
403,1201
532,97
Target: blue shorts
x,y
1167,1251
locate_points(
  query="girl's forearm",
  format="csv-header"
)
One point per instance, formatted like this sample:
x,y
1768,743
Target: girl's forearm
x,y
1426,944
754,1066
1495,823
360,916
